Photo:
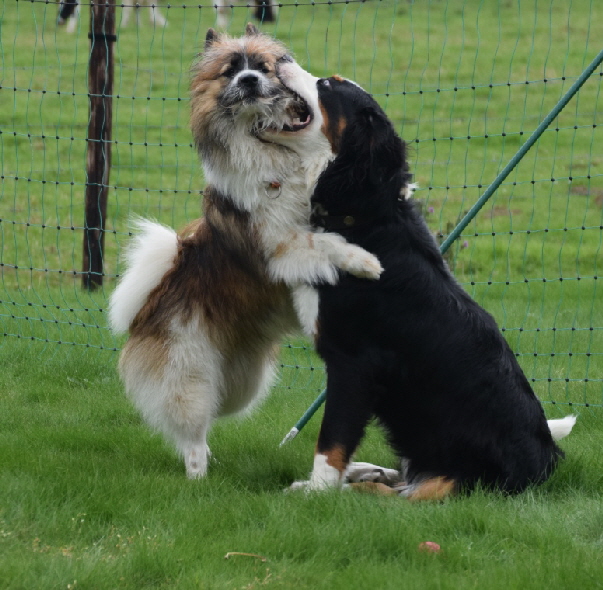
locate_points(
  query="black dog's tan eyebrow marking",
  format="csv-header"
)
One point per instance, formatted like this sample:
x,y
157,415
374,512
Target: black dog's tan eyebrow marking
x,y
333,129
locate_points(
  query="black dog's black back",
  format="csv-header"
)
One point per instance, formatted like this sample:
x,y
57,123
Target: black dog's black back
x,y
413,349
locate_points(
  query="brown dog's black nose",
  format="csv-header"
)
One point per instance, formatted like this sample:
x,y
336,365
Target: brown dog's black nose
x,y
248,80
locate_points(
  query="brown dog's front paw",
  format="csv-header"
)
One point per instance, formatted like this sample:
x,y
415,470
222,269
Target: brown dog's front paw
x,y
362,264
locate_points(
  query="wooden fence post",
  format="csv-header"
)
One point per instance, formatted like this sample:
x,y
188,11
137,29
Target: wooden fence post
x,y
98,159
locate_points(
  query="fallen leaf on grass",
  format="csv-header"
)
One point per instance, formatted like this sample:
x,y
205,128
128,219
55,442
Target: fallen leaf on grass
x,y
429,547
231,553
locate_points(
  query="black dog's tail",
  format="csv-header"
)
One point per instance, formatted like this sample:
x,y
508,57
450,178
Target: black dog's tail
x,y
67,9
561,428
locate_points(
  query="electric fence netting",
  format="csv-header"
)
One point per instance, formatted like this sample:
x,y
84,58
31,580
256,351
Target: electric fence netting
x,y
465,83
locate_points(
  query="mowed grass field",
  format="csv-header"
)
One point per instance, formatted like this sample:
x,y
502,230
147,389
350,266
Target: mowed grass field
x,y
90,498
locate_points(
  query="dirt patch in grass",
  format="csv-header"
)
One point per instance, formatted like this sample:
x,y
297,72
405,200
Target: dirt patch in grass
x,y
501,211
596,195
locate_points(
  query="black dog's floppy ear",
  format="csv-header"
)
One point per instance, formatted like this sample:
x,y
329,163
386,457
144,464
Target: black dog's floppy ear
x,y
383,148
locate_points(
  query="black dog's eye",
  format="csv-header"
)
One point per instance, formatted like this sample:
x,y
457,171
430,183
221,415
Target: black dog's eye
x,y
285,59
324,83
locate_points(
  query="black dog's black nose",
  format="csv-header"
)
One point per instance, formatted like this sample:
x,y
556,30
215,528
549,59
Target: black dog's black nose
x,y
248,80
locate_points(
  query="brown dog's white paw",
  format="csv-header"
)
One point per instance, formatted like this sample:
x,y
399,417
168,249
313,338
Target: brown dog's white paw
x,y
362,264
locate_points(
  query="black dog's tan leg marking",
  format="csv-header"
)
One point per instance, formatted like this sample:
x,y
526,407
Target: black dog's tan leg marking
x,y
336,457
329,468
434,488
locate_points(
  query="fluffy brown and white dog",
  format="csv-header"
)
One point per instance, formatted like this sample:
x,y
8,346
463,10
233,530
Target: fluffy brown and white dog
x,y
207,309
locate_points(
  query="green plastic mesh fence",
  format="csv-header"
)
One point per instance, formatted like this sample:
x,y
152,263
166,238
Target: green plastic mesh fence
x,y
465,83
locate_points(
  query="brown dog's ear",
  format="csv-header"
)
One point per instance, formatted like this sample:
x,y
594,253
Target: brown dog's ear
x,y
210,38
251,30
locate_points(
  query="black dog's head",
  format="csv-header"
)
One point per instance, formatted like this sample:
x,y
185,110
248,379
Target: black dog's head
x,y
369,172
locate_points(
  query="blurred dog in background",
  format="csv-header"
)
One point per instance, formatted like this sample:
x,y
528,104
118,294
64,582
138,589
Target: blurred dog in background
x,y
265,11
70,9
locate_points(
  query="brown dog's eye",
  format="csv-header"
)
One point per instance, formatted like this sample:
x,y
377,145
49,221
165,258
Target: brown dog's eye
x,y
264,68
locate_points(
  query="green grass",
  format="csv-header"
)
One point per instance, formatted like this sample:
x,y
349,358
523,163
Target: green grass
x,y
88,494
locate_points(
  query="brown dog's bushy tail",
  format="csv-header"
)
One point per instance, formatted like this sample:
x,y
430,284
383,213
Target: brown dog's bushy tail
x,y
150,254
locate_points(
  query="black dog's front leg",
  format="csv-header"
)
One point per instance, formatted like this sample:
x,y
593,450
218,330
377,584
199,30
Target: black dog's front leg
x,y
348,409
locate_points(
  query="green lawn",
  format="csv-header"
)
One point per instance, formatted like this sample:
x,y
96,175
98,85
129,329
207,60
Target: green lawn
x,y
87,493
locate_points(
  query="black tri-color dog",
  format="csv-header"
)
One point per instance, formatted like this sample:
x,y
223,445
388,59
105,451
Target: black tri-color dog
x,y
412,349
